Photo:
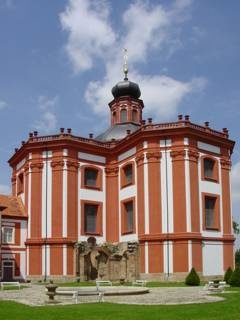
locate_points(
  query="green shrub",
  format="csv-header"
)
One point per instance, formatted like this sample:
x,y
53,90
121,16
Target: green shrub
x,y
192,278
234,281
228,274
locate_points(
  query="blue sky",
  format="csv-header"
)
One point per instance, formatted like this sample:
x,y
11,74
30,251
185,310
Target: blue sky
x,y
59,60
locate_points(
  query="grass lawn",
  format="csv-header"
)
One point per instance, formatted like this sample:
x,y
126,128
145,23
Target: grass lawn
x,y
225,310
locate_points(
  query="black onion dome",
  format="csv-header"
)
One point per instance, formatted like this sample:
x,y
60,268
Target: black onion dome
x,y
126,88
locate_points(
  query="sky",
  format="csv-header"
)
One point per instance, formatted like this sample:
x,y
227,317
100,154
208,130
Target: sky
x,y
59,60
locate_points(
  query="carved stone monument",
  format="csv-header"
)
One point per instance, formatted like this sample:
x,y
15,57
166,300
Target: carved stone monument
x,y
108,261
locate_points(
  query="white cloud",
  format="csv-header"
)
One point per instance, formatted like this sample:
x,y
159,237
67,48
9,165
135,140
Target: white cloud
x,y
5,189
146,27
89,31
3,104
48,119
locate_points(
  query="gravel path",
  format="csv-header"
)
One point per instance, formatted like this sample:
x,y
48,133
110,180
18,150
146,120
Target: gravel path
x,y
35,295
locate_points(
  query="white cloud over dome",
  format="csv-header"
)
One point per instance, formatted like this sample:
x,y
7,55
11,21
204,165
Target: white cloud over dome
x,y
145,27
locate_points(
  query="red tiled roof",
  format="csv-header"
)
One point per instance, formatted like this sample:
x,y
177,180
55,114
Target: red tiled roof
x,y
14,206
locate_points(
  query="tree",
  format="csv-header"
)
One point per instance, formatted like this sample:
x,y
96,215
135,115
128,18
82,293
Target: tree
x,y
236,228
192,278
237,257
228,275
235,278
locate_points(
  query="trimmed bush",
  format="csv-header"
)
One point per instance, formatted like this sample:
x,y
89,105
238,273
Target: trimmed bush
x,y
228,274
234,281
192,278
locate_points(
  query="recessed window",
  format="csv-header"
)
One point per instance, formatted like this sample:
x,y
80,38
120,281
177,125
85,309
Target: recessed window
x,y
129,223
90,214
208,168
7,235
128,172
127,175
114,117
211,212
20,183
90,178
128,216
134,116
123,115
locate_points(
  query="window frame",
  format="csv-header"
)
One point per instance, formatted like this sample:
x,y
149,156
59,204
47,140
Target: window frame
x,y
13,235
135,114
121,111
98,185
216,211
98,231
20,183
215,177
124,182
124,228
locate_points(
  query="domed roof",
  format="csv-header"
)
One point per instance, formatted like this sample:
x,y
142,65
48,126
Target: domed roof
x,y
126,88
117,132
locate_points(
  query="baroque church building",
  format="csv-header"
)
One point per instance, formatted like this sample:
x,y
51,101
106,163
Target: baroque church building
x,y
141,200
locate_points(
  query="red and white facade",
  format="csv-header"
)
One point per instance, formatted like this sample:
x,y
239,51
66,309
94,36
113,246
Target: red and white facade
x,y
165,185
13,222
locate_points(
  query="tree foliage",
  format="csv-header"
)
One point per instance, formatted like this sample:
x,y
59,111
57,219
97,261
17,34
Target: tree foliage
x,y
228,275
236,228
235,278
192,278
237,258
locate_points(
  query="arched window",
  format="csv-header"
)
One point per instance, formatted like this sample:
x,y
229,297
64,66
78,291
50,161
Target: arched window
x,y
114,117
123,115
134,116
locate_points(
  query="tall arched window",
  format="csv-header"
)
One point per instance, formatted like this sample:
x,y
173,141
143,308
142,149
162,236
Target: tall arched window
x,y
123,115
134,116
114,117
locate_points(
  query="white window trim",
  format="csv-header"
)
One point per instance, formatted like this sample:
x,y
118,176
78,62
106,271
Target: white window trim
x,y
13,235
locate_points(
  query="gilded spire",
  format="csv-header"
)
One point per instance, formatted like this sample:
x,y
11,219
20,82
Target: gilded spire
x,y
125,64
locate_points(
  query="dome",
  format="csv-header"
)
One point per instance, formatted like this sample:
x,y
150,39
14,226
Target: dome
x,y
126,88
117,132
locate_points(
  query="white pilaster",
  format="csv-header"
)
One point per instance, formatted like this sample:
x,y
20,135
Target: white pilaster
x,y
64,213
146,195
146,258
188,193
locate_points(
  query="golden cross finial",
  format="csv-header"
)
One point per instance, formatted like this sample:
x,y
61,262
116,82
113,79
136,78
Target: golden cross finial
x,y
125,64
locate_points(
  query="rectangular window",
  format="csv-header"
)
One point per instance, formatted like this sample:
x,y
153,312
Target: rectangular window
x,y
90,214
90,178
210,204
129,223
7,235
128,174
208,168
20,183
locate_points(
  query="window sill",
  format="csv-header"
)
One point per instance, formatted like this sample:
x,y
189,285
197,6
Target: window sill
x,y
92,188
92,234
210,179
212,229
128,232
127,185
